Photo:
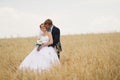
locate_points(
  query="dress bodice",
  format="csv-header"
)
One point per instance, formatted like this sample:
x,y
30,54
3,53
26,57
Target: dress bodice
x,y
44,39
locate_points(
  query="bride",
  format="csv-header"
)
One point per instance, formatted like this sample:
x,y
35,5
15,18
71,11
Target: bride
x,y
42,57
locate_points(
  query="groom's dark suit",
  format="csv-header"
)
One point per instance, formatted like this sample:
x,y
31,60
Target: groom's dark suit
x,y
56,40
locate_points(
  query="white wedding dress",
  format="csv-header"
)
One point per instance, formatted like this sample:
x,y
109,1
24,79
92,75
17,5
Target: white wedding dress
x,y
41,60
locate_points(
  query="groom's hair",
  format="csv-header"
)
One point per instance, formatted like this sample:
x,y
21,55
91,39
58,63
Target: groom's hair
x,y
48,22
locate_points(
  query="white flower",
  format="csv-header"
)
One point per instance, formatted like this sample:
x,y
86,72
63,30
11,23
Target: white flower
x,y
39,42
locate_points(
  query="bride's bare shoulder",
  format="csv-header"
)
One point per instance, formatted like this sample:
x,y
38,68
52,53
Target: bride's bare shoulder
x,y
49,33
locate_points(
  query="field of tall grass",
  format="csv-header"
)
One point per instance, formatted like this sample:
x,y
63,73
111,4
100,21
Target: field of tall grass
x,y
84,57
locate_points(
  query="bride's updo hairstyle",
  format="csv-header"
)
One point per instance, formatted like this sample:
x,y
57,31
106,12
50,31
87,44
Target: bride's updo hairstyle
x,y
41,25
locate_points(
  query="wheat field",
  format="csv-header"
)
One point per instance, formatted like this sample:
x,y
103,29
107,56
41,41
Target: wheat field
x,y
84,57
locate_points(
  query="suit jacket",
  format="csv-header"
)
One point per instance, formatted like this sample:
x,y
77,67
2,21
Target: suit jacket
x,y
56,39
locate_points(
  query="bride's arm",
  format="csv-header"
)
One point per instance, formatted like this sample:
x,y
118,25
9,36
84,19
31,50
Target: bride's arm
x,y
50,41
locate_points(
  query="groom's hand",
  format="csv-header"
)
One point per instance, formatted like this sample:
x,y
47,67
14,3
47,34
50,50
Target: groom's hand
x,y
38,48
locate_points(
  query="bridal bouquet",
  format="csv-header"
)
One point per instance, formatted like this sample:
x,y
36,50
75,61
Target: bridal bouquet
x,y
39,42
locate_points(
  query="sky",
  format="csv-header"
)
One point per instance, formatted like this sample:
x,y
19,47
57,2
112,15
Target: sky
x,y
21,18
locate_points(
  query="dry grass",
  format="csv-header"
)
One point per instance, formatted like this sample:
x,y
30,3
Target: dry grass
x,y
84,57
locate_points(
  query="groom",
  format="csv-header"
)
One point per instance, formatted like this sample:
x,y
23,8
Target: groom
x,y
55,34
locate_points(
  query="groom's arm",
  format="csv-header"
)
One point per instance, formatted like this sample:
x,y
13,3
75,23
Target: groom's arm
x,y
56,37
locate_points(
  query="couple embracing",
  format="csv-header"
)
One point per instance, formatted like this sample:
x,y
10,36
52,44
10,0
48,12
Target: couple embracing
x,y
44,56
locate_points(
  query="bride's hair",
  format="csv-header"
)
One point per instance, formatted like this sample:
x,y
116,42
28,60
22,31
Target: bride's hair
x,y
41,25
